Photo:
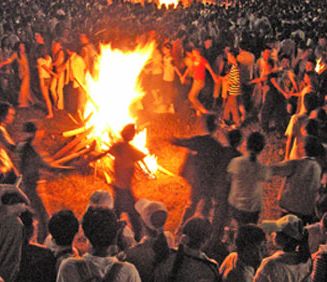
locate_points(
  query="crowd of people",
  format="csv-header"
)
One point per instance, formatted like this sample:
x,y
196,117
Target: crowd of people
x,y
259,62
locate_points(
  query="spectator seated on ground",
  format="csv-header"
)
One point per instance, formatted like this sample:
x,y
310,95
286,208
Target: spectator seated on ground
x,y
38,263
241,265
317,233
293,262
189,263
63,226
100,227
154,246
103,199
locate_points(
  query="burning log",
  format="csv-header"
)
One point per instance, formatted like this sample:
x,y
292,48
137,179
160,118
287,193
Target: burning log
x,y
68,147
77,131
73,156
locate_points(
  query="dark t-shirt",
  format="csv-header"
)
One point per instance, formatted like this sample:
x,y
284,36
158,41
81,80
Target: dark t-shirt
x,y
37,264
126,156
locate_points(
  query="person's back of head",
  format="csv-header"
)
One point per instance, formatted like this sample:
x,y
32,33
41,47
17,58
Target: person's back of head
x,y
211,124
249,241
197,231
255,144
234,138
27,219
63,226
312,147
4,109
310,102
128,132
100,226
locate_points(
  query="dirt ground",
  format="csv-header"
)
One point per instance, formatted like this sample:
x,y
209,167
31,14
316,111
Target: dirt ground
x,y
71,190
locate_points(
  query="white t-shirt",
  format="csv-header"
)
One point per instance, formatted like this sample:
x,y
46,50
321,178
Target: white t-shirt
x,y
47,62
95,267
246,177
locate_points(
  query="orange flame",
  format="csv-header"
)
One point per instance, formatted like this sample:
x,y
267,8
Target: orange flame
x,y
114,97
320,66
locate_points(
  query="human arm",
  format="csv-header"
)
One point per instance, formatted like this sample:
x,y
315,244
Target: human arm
x,y
212,73
277,86
184,75
285,168
8,61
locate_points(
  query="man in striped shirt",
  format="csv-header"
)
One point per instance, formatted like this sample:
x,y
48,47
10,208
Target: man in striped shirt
x,y
234,89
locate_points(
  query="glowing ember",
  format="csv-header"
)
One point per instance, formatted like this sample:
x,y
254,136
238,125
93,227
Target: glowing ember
x,y
114,97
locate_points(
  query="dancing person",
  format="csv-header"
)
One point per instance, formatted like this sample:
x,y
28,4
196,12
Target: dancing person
x,y
20,55
126,156
30,163
200,168
8,171
44,65
301,186
198,69
59,58
234,104
246,175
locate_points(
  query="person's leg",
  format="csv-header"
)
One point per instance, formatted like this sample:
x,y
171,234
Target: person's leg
x,y
60,91
45,93
134,217
227,108
197,86
235,110
24,94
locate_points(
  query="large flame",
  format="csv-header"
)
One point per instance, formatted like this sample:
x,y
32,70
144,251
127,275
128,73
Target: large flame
x,y
114,96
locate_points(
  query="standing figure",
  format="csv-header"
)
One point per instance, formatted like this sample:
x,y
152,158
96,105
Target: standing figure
x,y
58,81
25,95
247,173
233,103
126,156
75,74
8,172
200,167
198,69
30,163
44,65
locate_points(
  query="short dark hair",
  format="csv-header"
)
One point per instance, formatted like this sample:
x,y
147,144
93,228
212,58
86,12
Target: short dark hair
x,y
29,127
256,142
248,234
234,137
313,147
198,231
4,109
100,226
211,123
63,227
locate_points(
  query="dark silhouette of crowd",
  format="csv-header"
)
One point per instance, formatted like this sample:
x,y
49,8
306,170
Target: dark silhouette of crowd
x,y
259,63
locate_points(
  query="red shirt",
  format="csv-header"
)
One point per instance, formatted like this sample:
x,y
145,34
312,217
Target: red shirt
x,y
199,68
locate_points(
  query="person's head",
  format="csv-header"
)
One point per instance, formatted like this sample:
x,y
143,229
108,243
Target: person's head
x,y
83,39
211,123
311,79
30,129
285,62
196,53
27,219
63,226
56,46
234,138
232,54
311,128
266,53
42,51
255,144
312,146
100,227
166,49
101,199
153,213
310,102
7,113
250,244
128,132
208,42
310,65
196,231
